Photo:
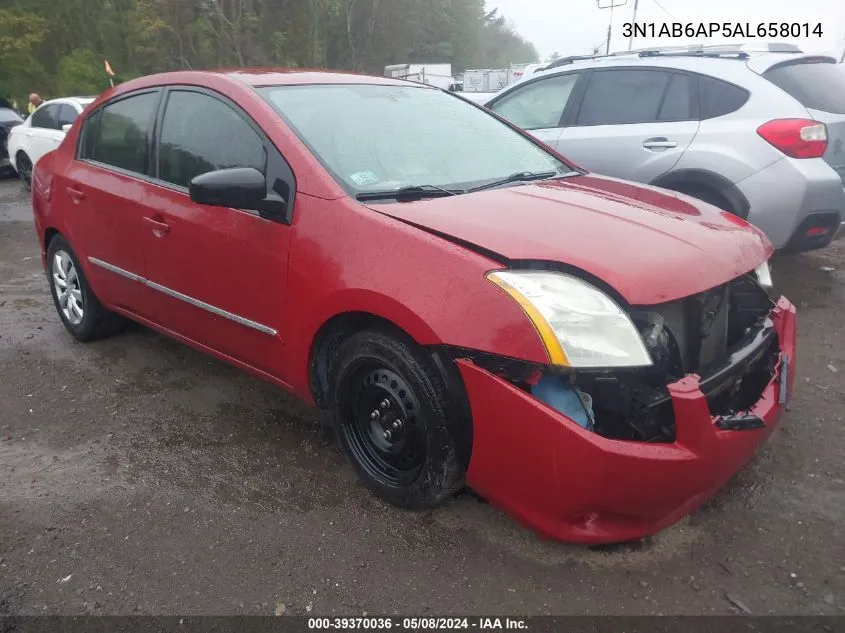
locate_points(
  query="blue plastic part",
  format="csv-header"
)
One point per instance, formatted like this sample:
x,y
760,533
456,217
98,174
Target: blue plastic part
x,y
571,402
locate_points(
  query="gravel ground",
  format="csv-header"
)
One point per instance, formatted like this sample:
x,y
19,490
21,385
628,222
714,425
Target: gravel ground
x,y
139,476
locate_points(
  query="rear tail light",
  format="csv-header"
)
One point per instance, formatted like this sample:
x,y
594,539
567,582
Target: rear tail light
x,y
797,138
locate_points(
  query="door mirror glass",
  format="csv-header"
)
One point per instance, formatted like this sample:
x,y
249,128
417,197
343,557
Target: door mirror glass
x,y
238,188
66,127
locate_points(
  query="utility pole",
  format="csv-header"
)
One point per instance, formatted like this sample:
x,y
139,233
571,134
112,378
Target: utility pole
x,y
610,4
633,24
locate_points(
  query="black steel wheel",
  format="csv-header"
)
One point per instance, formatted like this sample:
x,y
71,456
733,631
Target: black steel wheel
x,y
383,428
391,416
25,170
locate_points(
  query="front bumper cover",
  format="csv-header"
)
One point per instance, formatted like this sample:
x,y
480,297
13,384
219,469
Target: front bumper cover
x,y
570,484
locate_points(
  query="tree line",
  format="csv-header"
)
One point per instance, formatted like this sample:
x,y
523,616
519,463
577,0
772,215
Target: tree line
x,y
58,47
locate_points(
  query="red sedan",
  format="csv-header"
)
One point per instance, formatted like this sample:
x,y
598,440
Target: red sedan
x,y
464,305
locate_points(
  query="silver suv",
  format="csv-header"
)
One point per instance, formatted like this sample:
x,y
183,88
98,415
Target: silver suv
x,y
759,134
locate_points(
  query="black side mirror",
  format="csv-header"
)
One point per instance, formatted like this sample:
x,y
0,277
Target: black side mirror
x,y
239,188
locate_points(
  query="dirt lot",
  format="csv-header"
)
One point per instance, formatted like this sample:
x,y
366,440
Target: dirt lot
x,y
137,475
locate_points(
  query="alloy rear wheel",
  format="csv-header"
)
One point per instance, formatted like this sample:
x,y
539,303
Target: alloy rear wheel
x,y
77,305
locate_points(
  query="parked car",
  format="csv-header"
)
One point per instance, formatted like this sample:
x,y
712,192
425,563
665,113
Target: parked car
x,y
9,118
759,134
42,132
477,97
530,69
466,307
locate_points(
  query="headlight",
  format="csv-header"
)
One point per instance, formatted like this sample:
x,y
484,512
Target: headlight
x,y
764,275
579,324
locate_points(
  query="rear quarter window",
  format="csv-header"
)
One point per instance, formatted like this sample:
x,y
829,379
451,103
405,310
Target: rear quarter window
x,y
817,85
718,98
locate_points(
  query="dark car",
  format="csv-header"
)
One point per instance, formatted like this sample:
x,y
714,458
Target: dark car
x,y
9,118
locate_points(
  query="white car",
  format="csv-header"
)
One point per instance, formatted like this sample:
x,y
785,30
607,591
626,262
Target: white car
x,y
477,97
42,132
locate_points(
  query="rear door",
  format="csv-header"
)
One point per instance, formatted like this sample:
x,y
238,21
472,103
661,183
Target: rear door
x,y
67,116
632,123
45,133
819,84
539,105
104,191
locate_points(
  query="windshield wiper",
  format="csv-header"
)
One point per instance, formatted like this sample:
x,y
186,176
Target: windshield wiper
x,y
520,176
414,192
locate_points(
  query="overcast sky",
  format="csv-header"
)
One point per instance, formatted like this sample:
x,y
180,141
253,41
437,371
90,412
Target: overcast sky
x,y
575,27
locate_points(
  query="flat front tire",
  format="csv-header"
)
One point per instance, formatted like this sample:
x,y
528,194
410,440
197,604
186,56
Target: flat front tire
x,y
391,417
76,304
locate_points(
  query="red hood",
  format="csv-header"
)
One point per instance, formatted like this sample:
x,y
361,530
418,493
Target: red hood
x,y
650,245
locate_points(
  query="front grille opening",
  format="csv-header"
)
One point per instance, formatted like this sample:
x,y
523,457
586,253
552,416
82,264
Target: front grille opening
x,y
740,392
691,335
687,335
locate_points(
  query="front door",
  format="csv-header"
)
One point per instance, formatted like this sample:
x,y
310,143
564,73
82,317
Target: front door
x,y
632,123
538,106
219,273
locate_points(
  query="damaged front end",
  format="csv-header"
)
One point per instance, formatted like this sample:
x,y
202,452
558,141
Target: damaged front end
x,y
596,455
724,338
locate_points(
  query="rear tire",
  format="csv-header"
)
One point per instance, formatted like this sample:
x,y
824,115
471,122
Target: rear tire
x,y
78,307
391,416
24,169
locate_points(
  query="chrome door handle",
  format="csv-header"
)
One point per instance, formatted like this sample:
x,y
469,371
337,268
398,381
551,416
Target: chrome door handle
x,y
661,144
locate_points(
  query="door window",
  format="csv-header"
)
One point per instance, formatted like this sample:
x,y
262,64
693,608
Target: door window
x,y
46,117
677,102
719,98
122,137
539,104
618,97
89,135
201,133
67,115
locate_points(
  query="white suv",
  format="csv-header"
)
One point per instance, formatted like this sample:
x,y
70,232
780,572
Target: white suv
x,y
759,134
42,132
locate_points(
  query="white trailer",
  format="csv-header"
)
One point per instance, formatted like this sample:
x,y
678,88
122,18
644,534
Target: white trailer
x,y
439,75
485,79
494,79
521,72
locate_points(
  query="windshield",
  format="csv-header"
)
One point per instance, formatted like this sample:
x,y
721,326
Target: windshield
x,y
382,138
